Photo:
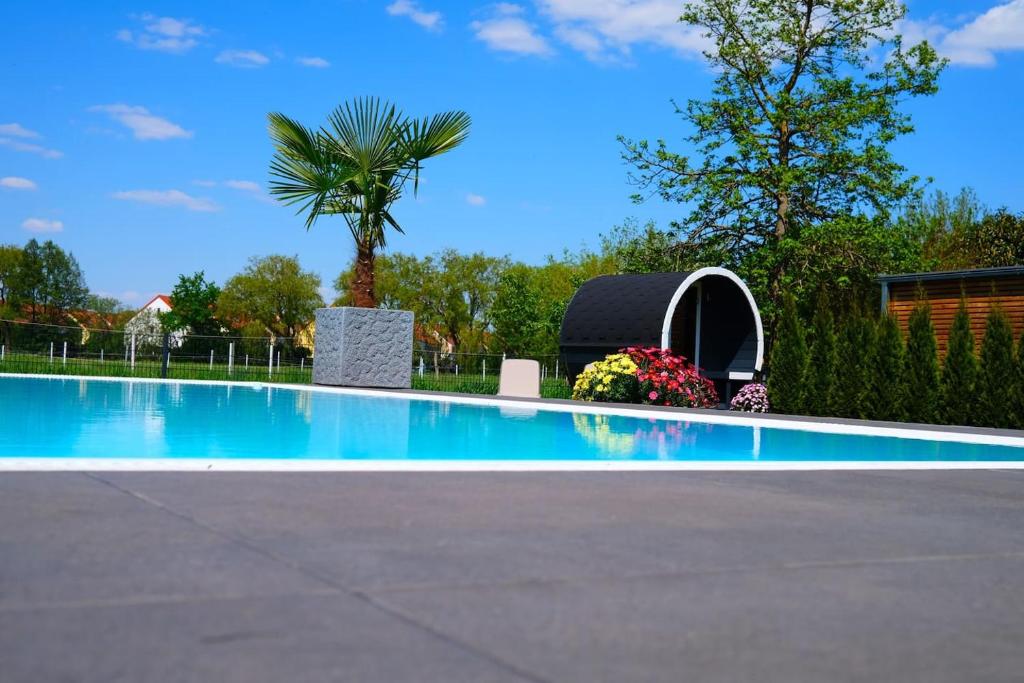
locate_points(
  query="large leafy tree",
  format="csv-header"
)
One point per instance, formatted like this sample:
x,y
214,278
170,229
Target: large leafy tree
x,y
796,133
194,301
273,291
10,260
449,291
357,166
46,280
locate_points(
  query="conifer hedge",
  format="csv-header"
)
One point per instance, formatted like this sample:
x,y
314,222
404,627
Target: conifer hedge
x,y
922,366
822,366
788,362
959,373
888,383
998,370
860,367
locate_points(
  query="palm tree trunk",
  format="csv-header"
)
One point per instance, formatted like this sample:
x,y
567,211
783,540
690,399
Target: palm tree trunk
x,y
363,290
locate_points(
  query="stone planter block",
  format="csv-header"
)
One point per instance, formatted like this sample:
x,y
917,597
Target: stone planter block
x,y
363,347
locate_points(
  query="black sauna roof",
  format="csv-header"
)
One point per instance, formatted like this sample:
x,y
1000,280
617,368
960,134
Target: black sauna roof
x,y
620,310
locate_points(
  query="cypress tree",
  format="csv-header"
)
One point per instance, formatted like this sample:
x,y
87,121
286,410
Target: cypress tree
x,y
788,363
1018,387
888,386
852,362
822,367
959,372
922,366
998,368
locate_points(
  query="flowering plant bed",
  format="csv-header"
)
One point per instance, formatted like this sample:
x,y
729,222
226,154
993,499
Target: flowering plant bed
x,y
669,380
612,380
646,375
752,398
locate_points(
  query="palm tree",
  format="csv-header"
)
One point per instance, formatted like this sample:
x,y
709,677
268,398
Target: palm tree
x,y
357,166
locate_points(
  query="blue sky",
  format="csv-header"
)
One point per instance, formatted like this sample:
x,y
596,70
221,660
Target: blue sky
x,y
135,136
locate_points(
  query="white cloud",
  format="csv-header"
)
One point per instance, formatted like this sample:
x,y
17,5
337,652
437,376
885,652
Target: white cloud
x,y
975,43
431,21
507,31
253,189
20,146
243,185
16,130
143,124
608,29
248,187
164,34
315,62
16,183
246,59
475,199
42,225
174,198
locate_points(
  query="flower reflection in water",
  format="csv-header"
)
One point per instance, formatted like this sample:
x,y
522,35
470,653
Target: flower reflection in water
x,y
618,437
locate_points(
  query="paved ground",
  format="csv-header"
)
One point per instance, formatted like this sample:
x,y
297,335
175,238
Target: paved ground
x,y
830,576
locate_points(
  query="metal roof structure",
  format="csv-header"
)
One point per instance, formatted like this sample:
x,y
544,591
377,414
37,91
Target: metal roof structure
x,y
986,273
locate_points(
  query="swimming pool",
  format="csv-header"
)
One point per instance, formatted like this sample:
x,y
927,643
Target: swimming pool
x,y
148,424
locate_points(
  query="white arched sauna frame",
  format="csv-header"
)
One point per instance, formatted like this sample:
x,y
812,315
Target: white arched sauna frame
x,y
694,279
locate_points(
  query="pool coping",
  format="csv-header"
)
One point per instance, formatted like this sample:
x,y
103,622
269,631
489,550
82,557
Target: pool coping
x,y
970,435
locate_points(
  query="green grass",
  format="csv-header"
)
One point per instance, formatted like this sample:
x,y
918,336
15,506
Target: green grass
x,y
292,374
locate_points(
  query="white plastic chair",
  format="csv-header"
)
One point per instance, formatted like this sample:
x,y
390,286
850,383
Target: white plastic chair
x,y
519,378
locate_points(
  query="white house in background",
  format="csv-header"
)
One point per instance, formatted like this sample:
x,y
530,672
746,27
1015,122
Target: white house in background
x,y
145,324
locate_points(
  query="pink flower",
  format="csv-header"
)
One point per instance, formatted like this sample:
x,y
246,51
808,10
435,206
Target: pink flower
x,y
653,395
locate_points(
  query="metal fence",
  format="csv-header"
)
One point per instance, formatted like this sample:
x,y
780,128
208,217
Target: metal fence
x,y
37,348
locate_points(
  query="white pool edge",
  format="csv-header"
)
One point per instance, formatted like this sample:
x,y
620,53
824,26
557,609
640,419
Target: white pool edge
x,y
282,465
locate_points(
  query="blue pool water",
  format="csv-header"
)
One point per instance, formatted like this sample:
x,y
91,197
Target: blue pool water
x,y
112,419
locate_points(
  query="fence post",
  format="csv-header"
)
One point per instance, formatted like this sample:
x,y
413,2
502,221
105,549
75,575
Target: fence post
x,y
456,369
485,367
231,357
437,372
51,352
64,355
302,364
246,360
101,355
3,350
270,361
165,355
421,366
211,359
556,368
133,352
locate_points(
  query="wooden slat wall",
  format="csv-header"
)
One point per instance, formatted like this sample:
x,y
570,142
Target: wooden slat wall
x,y
944,298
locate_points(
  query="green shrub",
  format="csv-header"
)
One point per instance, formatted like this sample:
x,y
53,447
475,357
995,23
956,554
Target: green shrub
x,y
854,361
888,383
959,372
922,365
1017,393
997,372
788,362
822,367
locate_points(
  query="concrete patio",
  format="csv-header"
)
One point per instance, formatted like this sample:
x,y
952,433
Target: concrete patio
x,y
814,576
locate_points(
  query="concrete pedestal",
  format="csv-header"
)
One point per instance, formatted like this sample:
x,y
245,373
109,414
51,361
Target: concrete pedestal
x,y
363,347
